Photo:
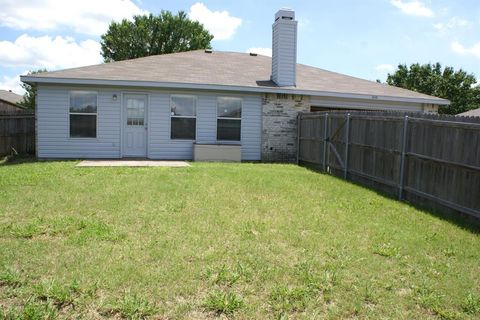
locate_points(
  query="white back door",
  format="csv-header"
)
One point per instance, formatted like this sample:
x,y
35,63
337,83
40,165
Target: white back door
x,y
135,125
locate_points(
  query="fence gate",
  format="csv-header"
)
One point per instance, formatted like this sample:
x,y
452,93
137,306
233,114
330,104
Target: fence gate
x,y
324,139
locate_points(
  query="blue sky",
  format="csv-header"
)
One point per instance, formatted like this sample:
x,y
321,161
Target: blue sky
x,y
365,38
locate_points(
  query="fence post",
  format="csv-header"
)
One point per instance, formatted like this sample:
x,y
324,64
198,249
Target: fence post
x,y
347,135
325,132
299,121
402,158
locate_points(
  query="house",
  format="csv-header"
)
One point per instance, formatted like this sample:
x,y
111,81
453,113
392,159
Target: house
x,y
174,106
9,101
470,113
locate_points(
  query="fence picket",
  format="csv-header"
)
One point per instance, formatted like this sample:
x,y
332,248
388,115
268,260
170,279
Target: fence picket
x,y
432,160
17,133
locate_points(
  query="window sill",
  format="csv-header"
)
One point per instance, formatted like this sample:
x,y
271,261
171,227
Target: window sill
x,y
182,140
229,142
82,139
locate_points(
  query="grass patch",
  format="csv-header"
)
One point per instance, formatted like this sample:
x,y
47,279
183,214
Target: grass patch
x,y
471,304
31,310
77,230
9,277
250,241
284,300
132,306
222,302
57,294
386,250
228,276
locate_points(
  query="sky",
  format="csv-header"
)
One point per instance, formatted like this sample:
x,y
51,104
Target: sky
x,y
362,38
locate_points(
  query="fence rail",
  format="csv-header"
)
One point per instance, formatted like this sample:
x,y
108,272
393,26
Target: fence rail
x,y
432,160
17,133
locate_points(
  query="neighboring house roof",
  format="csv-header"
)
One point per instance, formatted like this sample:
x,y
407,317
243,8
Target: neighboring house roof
x,y
226,71
10,97
470,113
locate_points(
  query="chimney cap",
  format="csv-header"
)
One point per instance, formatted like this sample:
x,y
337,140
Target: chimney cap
x,y
285,14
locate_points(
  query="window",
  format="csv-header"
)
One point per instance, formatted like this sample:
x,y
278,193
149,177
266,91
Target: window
x,y
229,119
135,111
83,114
183,117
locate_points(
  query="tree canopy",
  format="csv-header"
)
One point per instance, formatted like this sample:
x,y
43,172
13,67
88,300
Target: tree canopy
x,y
29,98
150,35
456,86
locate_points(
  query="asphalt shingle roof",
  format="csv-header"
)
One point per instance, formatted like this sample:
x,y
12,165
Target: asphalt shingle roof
x,y
470,113
227,69
11,97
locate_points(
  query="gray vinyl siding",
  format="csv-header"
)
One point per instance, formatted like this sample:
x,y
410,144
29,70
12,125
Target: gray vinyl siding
x,y
53,130
284,52
53,139
160,146
251,128
357,104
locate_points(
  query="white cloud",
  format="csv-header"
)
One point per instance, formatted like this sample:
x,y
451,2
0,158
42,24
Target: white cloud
x,y
12,83
384,67
303,22
220,23
461,49
48,52
85,16
262,51
453,23
414,8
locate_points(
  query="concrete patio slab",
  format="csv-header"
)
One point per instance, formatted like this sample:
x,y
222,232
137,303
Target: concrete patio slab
x,y
132,163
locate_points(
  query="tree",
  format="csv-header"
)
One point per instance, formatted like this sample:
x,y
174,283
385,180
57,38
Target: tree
x,y
456,86
29,98
150,35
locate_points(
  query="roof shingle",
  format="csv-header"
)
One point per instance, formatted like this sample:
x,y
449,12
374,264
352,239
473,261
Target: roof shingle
x,y
228,69
470,113
11,97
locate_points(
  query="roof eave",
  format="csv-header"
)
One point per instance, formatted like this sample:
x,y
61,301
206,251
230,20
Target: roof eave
x,y
176,85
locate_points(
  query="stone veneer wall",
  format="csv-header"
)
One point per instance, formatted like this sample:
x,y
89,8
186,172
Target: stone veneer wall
x,y
279,125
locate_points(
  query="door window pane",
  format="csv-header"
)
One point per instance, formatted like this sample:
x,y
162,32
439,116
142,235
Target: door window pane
x,y
135,112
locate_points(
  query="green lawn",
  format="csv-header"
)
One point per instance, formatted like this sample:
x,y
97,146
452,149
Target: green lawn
x,y
230,240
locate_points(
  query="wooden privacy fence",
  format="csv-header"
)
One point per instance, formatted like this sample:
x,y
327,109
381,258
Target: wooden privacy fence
x,y
431,160
17,133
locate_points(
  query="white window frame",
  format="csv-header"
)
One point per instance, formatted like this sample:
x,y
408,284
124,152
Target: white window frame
x,y
228,118
83,114
190,117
